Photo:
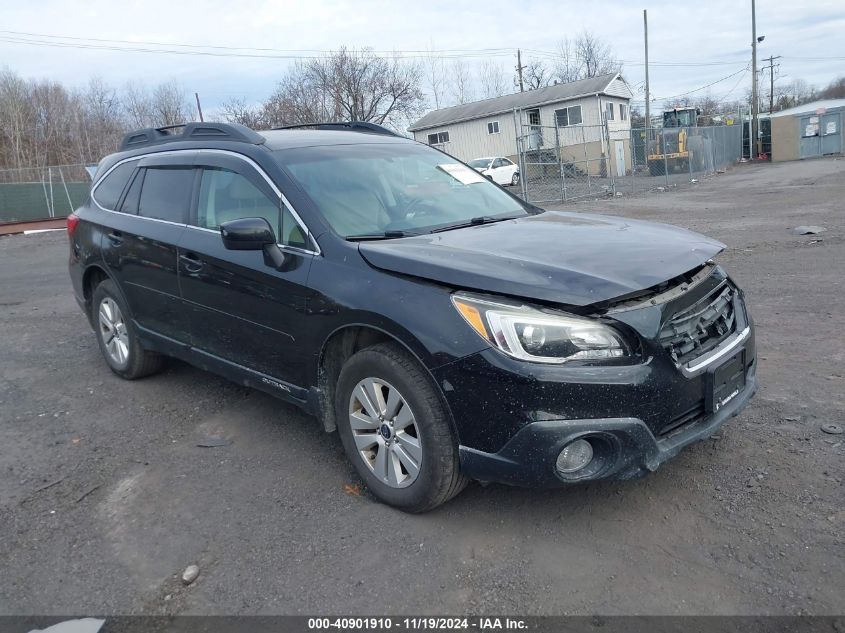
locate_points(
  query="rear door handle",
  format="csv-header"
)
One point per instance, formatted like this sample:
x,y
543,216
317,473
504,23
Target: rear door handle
x,y
115,237
191,262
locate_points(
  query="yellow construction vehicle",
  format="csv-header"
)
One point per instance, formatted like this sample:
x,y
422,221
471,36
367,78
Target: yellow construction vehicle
x,y
669,149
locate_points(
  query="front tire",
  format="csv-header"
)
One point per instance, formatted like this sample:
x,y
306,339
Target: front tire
x,y
396,430
515,179
116,335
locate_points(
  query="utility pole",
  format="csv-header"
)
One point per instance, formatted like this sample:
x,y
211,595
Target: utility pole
x,y
647,98
519,68
771,68
754,140
199,107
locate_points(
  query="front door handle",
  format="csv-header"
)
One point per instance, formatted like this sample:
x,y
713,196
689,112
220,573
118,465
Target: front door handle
x,y
191,262
115,237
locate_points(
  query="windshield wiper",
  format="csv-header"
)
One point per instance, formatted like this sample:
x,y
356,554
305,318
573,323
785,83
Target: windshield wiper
x,y
387,235
477,221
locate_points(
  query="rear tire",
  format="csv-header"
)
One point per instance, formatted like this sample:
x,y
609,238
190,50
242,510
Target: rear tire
x,y
402,443
117,337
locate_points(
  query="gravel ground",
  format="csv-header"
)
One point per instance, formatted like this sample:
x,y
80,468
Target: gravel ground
x,y
105,496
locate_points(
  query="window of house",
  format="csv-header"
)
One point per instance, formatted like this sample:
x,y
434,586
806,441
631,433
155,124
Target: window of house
x,y
568,116
609,110
493,127
623,112
438,138
109,189
166,193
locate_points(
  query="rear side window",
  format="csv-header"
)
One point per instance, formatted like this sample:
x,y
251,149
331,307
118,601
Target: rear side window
x,y
166,193
108,191
130,200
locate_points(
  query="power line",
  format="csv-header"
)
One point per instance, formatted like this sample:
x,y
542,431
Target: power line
x,y
215,50
22,37
684,94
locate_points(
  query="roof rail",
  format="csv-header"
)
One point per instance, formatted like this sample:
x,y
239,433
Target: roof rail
x,y
190,132
354,126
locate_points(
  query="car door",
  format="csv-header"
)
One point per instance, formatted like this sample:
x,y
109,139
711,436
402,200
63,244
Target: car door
x,y
499,175
508,169
243,311
139,247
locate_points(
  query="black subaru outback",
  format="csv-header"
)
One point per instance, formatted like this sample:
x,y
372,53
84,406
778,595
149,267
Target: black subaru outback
x,y
445,328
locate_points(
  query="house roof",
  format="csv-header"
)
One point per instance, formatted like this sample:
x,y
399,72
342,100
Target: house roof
x,y
810,108
507,103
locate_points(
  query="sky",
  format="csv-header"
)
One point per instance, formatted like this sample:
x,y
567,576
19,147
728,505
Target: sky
x,y
691,44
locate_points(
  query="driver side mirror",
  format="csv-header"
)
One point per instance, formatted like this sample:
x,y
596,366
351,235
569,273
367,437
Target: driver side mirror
x,y
247,234
252,234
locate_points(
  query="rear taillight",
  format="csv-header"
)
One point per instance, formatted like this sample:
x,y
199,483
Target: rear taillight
x,y
72,222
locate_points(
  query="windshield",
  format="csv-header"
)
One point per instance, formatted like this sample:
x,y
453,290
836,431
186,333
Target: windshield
x,y
370,189
679,118
479,163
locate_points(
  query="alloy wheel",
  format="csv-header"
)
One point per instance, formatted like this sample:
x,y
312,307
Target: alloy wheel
x,y
113,331
385,432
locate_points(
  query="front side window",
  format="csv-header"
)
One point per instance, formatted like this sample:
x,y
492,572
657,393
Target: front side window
x,y
166,193
107,192
370,189
493,127
226,195
623,112
609,109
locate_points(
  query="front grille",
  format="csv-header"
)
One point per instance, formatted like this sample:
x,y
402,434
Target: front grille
x,y
698,328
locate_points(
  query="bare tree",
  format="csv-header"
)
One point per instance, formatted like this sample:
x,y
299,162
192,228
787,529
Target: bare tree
x,y
461,82
595,55
137,106
584,57
239,111
169,104
567,66
15,120
535,74
100,121
435,77
492,79
362,86
834,90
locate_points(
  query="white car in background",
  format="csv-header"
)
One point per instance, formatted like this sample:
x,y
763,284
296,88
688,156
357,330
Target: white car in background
x,y
498,169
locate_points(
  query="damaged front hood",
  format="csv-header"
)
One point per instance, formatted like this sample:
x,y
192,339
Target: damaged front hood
x,y
569,258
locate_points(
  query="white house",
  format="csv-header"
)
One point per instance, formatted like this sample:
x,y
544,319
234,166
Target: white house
x,y
578,110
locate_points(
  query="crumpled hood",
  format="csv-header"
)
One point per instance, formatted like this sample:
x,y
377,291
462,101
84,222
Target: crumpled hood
x,y
569,258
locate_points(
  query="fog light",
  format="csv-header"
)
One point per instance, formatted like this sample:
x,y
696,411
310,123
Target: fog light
x,y
574,456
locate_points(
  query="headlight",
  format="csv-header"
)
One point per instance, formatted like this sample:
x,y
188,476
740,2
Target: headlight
x,y
535,335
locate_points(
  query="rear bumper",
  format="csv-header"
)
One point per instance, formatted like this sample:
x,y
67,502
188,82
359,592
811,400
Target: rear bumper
x,y
629,448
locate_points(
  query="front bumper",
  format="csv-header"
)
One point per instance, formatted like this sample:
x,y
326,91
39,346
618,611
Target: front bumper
x,y
513,418
528,458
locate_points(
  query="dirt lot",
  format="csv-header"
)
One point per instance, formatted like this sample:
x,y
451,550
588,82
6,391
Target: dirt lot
x,y
105,496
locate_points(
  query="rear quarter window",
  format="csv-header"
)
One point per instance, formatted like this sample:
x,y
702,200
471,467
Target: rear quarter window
x,y
108,190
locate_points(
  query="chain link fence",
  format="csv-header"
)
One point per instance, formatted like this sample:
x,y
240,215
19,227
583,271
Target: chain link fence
x,y
566,163
37,193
